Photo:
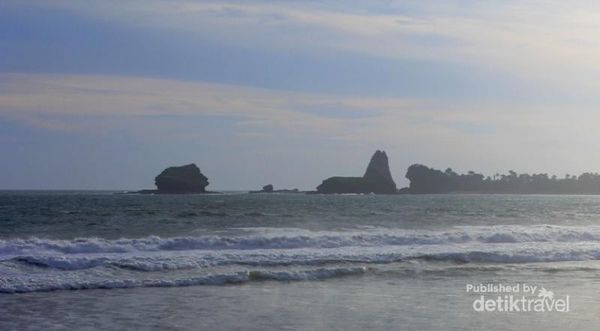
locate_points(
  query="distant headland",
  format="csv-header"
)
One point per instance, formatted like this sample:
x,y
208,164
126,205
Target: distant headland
x,y
427,180
378,179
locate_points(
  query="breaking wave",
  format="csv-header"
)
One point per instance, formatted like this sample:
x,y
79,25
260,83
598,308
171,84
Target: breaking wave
x,y
36,264
462,235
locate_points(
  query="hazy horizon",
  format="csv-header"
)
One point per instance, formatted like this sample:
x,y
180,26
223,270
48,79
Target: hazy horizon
x,y
106,94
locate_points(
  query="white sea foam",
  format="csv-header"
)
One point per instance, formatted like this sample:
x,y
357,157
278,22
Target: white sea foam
x,y
373,238
205,260
36,264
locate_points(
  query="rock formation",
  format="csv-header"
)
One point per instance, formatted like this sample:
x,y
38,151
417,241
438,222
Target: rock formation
x,y
378,176
265,189
183,179
377,179
270,189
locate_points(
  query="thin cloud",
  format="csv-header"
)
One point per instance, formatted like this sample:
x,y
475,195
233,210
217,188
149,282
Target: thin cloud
x,y
552,43
42,100
66,101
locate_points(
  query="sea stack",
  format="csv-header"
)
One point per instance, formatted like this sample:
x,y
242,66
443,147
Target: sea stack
x,y
378,175
377,179
183,179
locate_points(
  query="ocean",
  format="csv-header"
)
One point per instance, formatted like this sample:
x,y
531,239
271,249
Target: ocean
x,y
99,260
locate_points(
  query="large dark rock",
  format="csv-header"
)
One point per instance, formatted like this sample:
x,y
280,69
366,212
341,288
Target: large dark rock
x,y
427,180
377,179
183,179
378,176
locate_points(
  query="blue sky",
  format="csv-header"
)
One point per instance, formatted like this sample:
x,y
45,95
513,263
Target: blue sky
x,y
105,94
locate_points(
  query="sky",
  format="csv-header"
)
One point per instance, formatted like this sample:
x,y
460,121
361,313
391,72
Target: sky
x,y
104,94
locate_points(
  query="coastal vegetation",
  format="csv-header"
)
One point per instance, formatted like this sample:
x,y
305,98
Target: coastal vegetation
x,y
428,180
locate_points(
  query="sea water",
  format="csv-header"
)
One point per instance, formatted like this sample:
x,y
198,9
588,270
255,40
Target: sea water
x,y
100,260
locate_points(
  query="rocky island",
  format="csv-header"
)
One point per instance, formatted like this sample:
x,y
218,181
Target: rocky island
x,y
180,180
377,179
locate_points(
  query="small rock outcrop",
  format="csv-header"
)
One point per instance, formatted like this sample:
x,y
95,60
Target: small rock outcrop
x,y
270,189
183,179
265,189
377,179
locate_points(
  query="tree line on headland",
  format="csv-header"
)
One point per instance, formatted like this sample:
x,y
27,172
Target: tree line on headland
x,y
427,180
423,180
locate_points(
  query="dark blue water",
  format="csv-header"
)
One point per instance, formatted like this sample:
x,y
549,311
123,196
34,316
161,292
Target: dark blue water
x,y
114,261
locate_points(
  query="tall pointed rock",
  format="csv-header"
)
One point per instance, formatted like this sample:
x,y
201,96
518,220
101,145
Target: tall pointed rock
x,y
378,176
377,179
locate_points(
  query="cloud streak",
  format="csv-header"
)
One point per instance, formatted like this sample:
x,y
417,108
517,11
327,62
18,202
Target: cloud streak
x,y
91,103
43,100
538,41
